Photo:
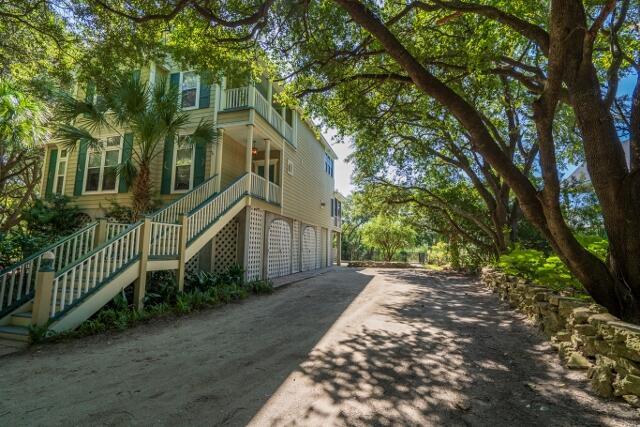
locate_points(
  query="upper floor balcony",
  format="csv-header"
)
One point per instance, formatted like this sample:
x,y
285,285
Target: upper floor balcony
x,y
250,97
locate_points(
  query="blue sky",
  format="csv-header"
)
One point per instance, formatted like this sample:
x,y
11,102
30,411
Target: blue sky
x,y
343,149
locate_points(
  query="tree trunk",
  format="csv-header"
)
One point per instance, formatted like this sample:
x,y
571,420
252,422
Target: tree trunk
x,y
142,191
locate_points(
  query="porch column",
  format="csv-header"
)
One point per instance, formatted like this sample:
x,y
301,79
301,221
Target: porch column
x,y
248,156
339,249
267,159
218,167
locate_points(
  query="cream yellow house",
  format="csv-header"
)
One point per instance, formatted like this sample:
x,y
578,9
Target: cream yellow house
x,y
262,195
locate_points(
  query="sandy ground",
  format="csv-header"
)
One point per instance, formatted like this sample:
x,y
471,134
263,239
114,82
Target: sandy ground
x,y
350,347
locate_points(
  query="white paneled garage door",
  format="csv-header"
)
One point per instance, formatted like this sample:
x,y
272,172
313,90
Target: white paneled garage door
x,y
309,249
279,249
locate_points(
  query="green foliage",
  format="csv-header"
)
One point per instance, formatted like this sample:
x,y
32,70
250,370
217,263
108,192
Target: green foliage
x,y
549,271
387,235
203,290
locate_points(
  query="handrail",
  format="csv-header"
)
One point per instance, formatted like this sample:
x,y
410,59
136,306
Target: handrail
x,y
17,282
110,258
209,212
193,198
98,248
51,247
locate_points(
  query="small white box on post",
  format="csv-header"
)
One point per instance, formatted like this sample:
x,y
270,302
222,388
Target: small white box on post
x,y
44,290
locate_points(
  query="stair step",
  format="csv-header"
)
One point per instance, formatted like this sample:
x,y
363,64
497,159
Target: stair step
x,y
16,333
21,319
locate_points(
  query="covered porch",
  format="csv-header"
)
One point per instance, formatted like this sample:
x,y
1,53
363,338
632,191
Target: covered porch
x,y
248,149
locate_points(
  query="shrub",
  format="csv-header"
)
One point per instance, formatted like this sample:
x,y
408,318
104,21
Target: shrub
x,y
549,271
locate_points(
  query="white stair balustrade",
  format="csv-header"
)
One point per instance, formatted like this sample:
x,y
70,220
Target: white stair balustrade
x,y
210,211
261,104
115,228
17,281
164,239
97,267
257,186
186,202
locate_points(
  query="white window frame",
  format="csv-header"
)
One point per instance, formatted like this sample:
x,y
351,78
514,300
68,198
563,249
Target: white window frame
x,y
290,167
175,160
103,151
57,174
197,104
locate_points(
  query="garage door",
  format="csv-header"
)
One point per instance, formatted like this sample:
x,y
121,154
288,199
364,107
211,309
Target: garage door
x,y
279,249
309,248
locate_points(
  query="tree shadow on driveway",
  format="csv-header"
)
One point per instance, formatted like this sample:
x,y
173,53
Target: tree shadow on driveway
x,y
442,350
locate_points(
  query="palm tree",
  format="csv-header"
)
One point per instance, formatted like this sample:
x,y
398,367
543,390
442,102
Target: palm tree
x,y
150,113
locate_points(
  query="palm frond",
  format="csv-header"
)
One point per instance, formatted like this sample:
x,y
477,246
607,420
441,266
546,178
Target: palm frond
x,y
205,132
70,135
69,109
164,101
128,99
127,170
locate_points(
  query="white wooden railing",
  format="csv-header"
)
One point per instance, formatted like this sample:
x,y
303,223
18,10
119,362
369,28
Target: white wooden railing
x,y
209,212
164,239
187,202
251,97
17,281
115,228
78,279
236,98
261,104
257,186
274,193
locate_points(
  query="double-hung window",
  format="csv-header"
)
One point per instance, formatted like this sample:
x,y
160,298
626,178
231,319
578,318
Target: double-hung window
x,y
101,171
61,170
328,164
183,165
189,90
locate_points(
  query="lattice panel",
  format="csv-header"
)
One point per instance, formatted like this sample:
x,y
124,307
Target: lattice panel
x,y
254,242
193,265
309,249
295,248
226,247
279,249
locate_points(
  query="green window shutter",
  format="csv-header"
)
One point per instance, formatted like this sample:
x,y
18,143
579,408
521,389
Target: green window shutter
x,y
205,94
127,148
51,173
198,167
174,80
82,160
167,164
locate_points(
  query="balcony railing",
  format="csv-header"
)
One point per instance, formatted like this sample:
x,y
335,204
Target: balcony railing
x,y
272,195
249,97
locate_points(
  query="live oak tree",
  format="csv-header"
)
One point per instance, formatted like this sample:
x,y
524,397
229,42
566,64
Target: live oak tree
x,y
564,52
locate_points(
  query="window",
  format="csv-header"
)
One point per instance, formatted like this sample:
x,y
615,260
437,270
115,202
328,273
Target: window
x,y
328,164
189,89
61,170
289,167
101,171
182,169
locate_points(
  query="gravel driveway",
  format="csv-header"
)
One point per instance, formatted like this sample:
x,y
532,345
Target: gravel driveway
x,y
349,347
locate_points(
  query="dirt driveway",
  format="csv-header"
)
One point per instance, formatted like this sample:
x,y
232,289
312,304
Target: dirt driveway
x,y
350,347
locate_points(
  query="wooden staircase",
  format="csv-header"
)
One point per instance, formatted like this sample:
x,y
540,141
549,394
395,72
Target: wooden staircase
x,y
93,265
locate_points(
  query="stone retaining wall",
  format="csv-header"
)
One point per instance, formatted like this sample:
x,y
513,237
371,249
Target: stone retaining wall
x,y
585,334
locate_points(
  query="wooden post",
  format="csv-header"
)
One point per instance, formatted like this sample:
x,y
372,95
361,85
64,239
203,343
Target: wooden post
x,y
267,160
339,249
269,99
182,250
249,156
44,291
101,232
218,169
140,285
223,94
